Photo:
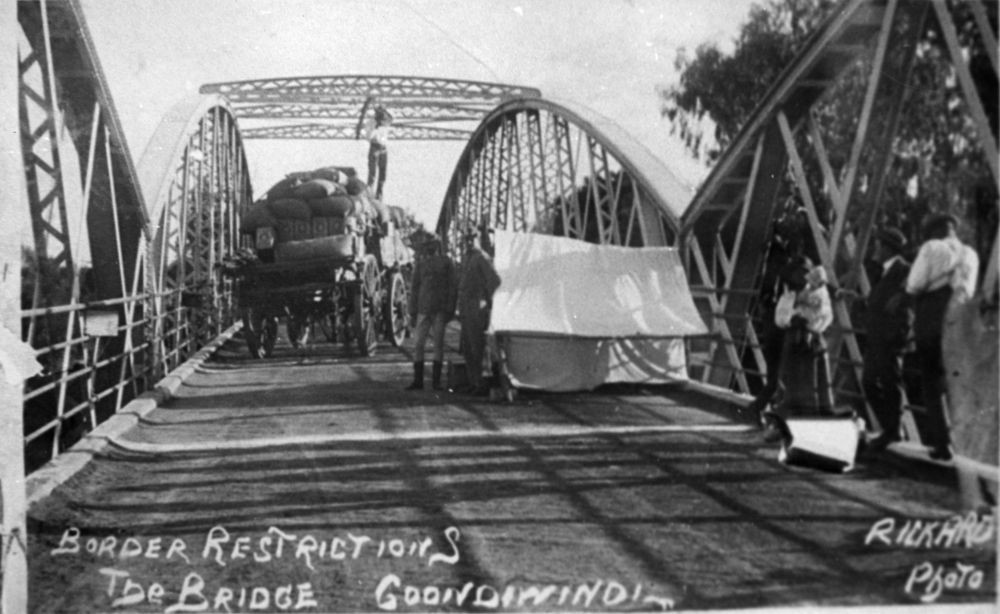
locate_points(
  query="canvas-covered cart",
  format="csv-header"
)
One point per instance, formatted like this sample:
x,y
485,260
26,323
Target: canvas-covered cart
x,y
627,324
322,258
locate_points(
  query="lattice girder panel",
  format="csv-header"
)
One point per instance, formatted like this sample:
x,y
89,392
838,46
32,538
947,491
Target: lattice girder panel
x,y
77,103
533,146
602,193
197,180
402,112
556,160
360,87
403,132
520,209
86,211
422,108
40,150
566,145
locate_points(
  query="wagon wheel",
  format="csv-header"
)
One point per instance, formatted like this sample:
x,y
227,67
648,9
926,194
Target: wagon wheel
x,y
367,302
260,331
397,310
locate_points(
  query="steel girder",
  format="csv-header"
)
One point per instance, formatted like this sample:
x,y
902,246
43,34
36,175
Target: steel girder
x,y
537,165
85,183
197,181
343,132
422,108
401,111
62,87
62,91
728,226
13,495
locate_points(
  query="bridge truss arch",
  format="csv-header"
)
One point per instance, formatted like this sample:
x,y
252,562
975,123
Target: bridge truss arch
x,y
547,166
119,258
196,181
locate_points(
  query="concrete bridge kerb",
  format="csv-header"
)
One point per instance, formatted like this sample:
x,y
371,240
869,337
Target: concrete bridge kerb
x,y
41,483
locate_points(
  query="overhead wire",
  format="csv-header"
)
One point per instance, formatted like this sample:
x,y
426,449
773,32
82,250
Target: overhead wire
x,y
450,38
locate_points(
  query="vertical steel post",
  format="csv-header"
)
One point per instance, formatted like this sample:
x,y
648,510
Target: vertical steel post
x,y
13,505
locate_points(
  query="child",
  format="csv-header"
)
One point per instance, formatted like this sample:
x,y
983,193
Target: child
x,y
805,313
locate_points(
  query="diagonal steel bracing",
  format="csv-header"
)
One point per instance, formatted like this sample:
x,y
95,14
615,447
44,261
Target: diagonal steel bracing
x,y
545,167
728,226
422,108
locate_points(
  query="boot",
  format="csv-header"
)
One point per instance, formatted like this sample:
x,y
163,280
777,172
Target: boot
x,y
418,377
436,374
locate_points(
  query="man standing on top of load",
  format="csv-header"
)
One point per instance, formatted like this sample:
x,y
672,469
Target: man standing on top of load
x,y
378,152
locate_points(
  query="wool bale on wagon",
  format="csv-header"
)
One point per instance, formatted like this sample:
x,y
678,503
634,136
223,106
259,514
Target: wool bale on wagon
x,y
316,188
257,216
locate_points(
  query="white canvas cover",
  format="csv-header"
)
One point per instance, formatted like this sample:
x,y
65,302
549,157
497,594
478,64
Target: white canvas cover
x,y
572,315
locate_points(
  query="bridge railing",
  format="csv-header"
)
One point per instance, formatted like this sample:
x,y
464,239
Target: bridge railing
x,y
745,365
100,355
793,181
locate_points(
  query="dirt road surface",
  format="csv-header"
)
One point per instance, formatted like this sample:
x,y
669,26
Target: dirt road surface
x,y
312,482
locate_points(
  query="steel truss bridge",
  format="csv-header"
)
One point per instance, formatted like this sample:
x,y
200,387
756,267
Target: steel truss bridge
x,y
157,225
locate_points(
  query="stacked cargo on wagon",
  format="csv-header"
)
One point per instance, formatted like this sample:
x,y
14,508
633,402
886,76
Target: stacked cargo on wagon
x,y
324,254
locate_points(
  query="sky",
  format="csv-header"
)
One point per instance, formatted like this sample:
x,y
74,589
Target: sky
x,y
609,55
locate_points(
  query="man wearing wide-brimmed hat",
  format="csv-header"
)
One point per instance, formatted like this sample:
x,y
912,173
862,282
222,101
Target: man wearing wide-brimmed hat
x,y
477,283
887,326
432,305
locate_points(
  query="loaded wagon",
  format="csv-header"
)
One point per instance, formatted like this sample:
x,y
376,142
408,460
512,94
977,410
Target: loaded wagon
x,y
324,255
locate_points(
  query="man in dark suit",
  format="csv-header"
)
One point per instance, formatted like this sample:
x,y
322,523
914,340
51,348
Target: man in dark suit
x,y
478,282
888,321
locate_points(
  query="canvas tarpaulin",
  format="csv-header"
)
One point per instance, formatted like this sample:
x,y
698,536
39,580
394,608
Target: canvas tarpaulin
x,y
572,315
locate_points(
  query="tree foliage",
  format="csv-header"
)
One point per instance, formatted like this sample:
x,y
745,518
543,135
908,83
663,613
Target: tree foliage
x,y
717,92
936,165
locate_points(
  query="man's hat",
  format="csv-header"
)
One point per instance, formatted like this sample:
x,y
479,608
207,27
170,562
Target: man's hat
x,y
939,222
893,238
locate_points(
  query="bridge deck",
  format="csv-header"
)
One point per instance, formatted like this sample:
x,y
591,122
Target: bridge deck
x,y
660,490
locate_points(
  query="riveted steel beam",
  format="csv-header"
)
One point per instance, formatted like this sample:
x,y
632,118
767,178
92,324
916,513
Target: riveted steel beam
x,y
195,174
360,87
426,109
571,171
345,132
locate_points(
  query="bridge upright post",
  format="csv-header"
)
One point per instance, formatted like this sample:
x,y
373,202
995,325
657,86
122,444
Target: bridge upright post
x,y
13,498
747,260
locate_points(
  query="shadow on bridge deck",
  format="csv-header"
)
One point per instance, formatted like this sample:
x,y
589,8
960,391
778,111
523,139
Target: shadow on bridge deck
x,y
661,490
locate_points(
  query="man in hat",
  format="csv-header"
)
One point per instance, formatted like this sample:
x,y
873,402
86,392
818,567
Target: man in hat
x,y
478,282
944,266
887,324
432,305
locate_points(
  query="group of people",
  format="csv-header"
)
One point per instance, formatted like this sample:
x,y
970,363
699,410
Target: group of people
x,y
905,310
908,305
437,291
